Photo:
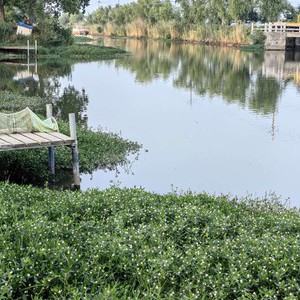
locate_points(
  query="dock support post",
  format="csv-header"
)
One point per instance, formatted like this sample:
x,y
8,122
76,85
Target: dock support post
x,y
73,133
49,114
35,48
28,48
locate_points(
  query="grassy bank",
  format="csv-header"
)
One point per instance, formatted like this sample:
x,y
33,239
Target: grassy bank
x,y
130,244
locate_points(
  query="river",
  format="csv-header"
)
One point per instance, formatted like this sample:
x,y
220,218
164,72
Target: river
x,y
214,120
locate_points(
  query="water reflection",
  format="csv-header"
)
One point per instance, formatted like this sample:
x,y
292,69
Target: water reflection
x,y
43,80
213,119
282,66
253,81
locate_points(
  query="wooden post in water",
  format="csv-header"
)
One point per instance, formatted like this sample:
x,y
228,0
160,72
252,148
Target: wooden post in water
x,y
73,133
35,48
28,54
49,114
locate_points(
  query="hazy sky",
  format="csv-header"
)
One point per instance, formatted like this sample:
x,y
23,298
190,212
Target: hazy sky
x,y
94,4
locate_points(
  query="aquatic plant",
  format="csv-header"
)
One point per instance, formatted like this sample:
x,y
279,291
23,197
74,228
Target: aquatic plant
x,y
130,244
86,52
13,101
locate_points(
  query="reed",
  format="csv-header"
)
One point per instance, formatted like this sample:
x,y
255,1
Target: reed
x,y
209,34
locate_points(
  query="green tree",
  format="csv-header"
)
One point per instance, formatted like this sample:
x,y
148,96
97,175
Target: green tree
x,y
240,9
270,10
192,12
52,6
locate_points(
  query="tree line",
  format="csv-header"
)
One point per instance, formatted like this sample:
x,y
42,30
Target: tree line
x,y
191,13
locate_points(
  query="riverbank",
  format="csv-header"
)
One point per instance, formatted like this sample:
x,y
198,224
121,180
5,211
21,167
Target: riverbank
x,y
131,244
73,52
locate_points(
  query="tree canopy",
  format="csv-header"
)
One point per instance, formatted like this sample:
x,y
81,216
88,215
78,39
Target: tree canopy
x,y
34,7
189,13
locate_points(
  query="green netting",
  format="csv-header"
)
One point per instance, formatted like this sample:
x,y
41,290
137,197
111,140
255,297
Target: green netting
x,y
26,121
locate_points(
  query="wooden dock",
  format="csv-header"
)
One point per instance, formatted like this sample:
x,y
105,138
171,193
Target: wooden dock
x,y
32,140
20,49
21,141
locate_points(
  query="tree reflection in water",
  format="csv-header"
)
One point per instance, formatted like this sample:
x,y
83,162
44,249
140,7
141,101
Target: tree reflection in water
x,y
238,77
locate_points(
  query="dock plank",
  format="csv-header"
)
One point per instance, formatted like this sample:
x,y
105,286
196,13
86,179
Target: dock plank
x,y
33,140
41,141
14,142
53,139
25,140
63,137
4,144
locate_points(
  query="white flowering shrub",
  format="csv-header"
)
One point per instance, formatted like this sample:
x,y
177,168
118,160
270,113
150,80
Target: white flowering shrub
x,y
130,244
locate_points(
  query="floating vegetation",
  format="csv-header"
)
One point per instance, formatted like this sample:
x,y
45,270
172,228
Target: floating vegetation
x,y
130,244
82,52
10,101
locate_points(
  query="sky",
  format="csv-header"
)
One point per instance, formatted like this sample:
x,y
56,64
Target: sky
x,y
94,4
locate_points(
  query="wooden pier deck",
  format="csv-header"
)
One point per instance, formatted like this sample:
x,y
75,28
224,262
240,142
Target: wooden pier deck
x,y
21,141
16,48
31,140
19,49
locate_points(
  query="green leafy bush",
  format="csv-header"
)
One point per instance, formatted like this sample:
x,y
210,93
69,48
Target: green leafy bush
x,y
258,38
6,31
82,52
11,101
130,244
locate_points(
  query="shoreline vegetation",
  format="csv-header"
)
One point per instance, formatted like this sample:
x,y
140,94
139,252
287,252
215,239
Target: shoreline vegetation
x,y
82,52
212,35
131,244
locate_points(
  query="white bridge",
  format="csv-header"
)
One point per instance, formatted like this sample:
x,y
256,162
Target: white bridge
x,y
280,35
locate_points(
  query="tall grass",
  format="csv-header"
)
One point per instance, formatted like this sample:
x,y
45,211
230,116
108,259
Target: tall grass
x,y
210,34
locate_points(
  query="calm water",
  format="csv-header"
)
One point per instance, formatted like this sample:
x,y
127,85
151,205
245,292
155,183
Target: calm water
x,y
210,119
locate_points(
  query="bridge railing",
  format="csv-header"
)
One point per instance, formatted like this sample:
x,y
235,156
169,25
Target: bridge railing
x,y
276,27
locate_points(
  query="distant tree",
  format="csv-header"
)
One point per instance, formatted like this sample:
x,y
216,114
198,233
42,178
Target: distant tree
x,y
192,12
240,9
270,10
219,9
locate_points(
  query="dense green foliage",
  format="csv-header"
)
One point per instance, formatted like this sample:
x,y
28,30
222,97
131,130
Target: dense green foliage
x,y
190,13
73,52
82,52
6,31
44,14
188,20
82,39
10,101
38,8
130,244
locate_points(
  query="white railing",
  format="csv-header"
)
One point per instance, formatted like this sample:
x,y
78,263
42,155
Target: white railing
x,y
276,27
